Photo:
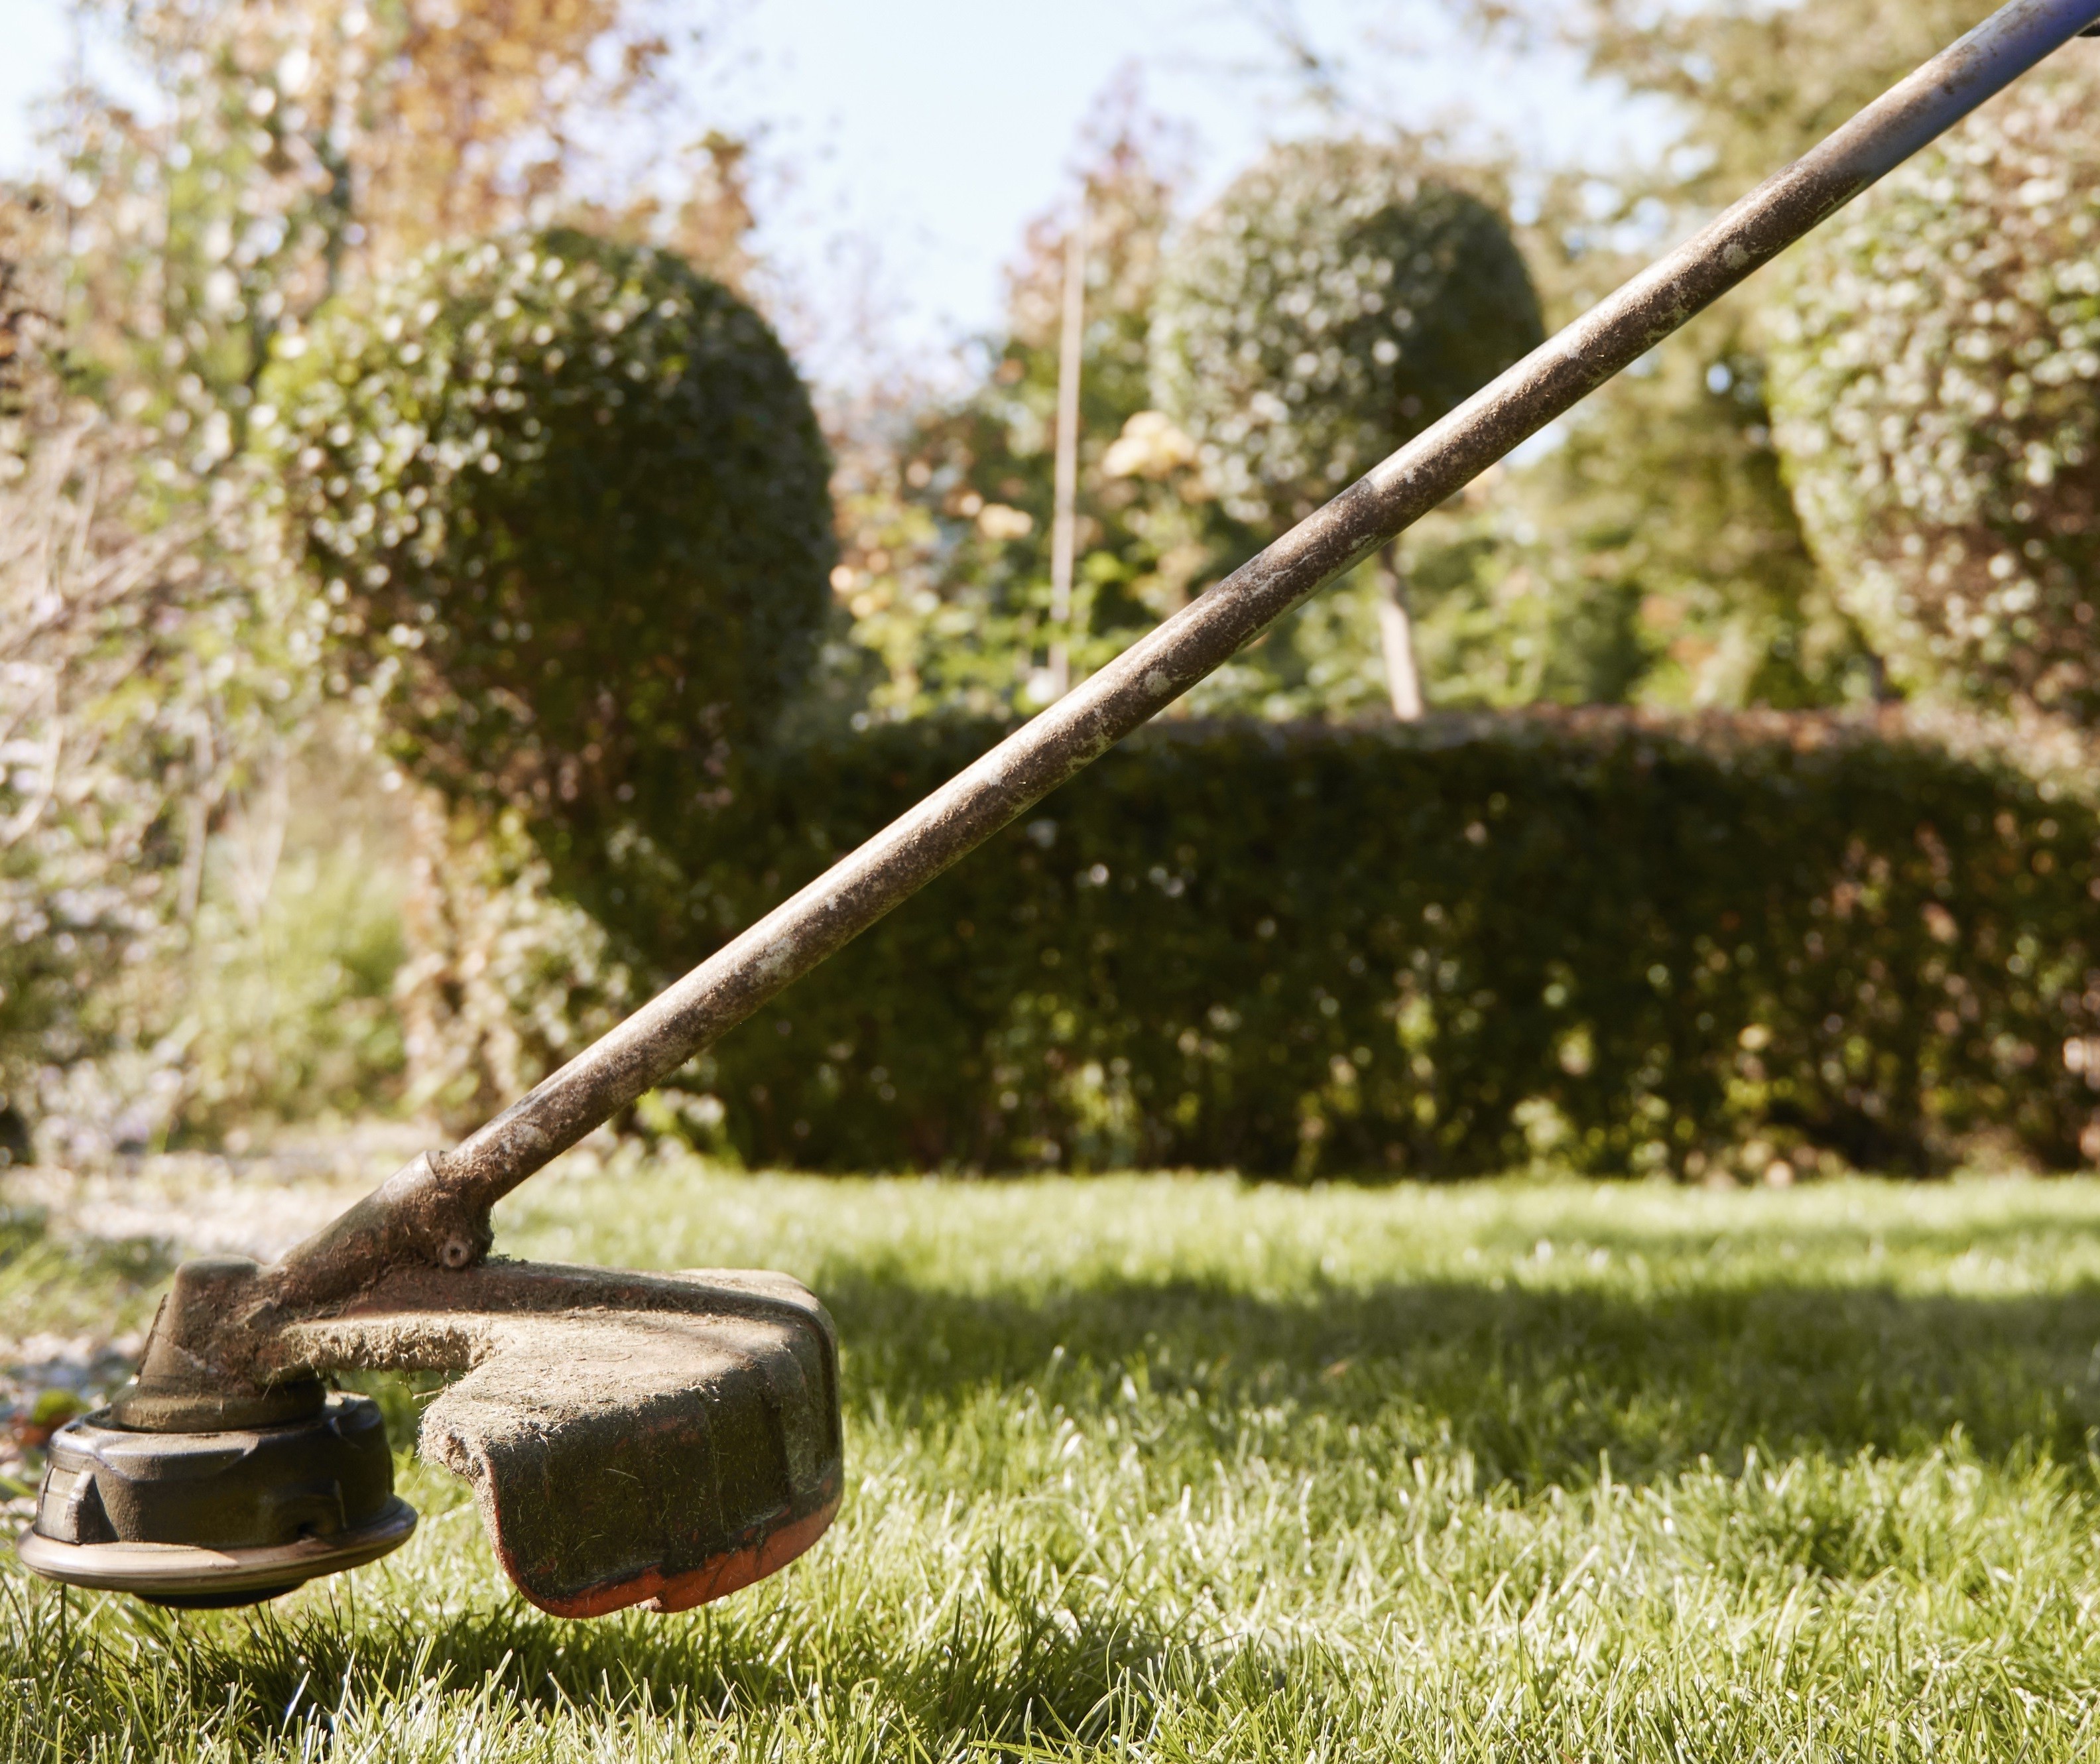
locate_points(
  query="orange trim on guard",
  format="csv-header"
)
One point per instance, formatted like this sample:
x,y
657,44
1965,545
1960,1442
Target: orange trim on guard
x,y
716,1578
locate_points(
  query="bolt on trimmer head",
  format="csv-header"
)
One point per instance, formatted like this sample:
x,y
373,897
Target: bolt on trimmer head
x,y
668,1438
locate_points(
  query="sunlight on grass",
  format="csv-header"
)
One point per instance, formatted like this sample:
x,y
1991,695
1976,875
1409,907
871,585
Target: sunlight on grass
x,y
1183,1469
66,1287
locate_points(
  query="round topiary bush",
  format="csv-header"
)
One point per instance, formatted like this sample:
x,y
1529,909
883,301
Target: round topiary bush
x,y
1331,305
1936,390
571,503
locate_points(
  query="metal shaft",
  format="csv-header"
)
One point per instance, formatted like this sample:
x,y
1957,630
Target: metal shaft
x,y
729,986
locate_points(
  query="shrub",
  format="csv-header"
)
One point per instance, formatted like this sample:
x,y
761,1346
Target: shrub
x,y
1330,304
508,979
1936,380
570,499
158,661
1617,943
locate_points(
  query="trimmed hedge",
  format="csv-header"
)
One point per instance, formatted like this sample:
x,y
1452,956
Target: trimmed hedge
x,y
1588,938
1332,304
569,500
1935,384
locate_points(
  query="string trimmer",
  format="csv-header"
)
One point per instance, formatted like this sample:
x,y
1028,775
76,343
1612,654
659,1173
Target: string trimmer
x,y
668,1438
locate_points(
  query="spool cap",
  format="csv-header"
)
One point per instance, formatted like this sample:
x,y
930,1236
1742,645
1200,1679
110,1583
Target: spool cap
x,y
228,1517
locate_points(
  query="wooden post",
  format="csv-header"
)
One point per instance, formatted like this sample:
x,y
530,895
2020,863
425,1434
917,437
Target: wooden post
x,y
1064,518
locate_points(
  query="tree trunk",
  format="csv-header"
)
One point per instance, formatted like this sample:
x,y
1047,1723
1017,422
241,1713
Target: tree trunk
x,y
1397,631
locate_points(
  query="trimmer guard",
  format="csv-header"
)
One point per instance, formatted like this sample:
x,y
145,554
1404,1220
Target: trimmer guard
x,y
632,1439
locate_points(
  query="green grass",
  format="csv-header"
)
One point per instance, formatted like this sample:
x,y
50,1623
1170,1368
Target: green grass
x,y
1177,1469
74,1286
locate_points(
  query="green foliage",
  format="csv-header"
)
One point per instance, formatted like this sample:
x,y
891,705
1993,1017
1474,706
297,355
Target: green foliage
x,y
1518,611
1333,303
1619,944
1937,376
158,657
268,996
291,1015
946,564
196,236
1664,516
509,979
570,499
1181,1469
1667,500
1654,556
1754,86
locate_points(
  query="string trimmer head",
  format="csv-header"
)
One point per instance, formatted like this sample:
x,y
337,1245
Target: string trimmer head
x,y
664,1439
632,1439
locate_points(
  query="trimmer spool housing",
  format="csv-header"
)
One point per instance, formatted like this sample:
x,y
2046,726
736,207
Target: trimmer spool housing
x,y
123,1507
665,1439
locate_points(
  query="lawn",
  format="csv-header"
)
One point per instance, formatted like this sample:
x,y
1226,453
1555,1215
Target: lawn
x,y
1178,1468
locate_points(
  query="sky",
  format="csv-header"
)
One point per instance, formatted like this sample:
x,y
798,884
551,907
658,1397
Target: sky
x,y
936,128
909,142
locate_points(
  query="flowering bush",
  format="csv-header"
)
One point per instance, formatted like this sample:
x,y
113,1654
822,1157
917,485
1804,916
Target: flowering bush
x,y
159,673
569,501
1331,305
1936,382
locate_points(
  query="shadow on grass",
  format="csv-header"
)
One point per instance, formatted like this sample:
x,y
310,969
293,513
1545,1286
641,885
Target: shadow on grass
x,y
1535,1384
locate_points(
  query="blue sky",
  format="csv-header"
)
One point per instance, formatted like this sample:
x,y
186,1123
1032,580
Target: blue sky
x,y
922,135
939,127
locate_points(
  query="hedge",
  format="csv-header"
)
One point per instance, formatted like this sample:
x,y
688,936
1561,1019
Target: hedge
x,y
1587,938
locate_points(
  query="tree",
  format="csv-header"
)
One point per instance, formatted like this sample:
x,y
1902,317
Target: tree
x,y
1334,303
296,147
946,567
151,632
1664,511
1755,85
1667,495
570,501
1936,375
